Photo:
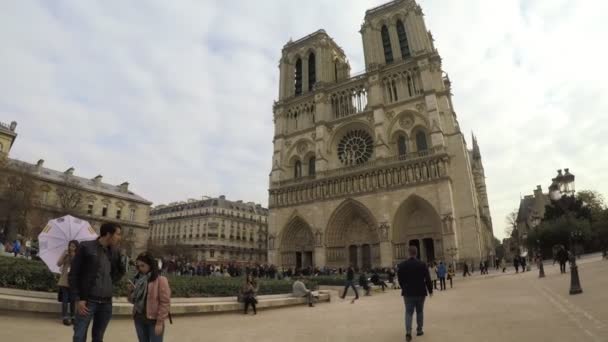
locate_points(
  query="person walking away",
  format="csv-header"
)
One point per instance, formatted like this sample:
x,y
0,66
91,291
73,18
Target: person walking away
x,y
248,292
433,273
523,264
299,290
95,268
562,258
375,279
516,264
16,247
364,284
481,269
465,270
350,278
65,262
150,294
441,273
415,282
451,274
391,277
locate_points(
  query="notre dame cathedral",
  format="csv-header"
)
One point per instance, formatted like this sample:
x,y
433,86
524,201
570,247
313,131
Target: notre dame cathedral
x,y
366,165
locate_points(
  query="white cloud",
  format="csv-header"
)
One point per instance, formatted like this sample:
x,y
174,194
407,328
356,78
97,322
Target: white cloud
x,y
176,97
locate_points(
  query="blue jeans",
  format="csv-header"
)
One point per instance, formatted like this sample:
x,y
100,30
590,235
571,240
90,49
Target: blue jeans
x,y
100,313
350,283
145,331
412,303
65,303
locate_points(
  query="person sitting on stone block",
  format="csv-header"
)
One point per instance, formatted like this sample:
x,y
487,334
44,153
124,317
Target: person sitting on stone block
x,y
299,290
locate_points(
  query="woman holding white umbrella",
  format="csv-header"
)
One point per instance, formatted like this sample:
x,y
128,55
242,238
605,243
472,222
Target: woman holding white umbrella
x,y
65,261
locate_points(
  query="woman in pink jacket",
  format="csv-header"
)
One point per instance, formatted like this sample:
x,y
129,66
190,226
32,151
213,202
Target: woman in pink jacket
x,y
151,297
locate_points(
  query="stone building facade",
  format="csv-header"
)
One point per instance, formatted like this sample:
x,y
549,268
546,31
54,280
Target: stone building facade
x,y
57,193
216,229
364,166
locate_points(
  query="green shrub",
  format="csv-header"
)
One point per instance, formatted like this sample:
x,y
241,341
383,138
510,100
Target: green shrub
x,y
32,275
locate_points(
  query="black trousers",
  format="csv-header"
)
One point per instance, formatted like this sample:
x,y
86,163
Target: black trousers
x,y
562,267
250,301
442,282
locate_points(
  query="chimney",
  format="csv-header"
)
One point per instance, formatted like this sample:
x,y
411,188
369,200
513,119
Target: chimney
x,y
124,187
39,165
97,179
70,171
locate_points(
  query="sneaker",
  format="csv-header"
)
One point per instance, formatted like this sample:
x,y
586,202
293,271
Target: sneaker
x,y
408,337
66,322
420,333
310,305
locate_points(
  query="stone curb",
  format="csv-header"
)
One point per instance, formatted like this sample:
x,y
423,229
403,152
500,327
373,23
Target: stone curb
x,y
45,302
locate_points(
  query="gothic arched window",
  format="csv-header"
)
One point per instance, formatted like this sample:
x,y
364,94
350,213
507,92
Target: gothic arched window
x,y
386,43
401,146
312,73
298,77
311,166
421,144
403,43
297,169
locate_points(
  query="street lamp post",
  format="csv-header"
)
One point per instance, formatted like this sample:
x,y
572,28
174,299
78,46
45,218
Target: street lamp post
x,y
541,268
575,283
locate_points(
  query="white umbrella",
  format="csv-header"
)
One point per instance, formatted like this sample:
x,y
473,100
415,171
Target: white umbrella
x,y
56,236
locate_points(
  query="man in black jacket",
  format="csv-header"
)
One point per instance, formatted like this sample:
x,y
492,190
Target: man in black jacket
x,y
350,282
95,268
415,282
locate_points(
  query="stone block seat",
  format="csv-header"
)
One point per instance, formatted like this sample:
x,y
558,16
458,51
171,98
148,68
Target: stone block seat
x,y
46,302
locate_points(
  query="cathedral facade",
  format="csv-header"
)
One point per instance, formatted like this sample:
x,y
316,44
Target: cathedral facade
x,y
366,165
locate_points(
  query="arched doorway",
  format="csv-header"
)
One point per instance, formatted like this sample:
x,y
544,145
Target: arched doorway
x,y
352,237
297,244
417,224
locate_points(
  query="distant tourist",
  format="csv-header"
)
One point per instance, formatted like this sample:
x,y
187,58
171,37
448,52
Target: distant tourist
x,y
151,297
562,258
16,247
375,279
503,265
95,268
441,273
451,274
364,284
350,282
465,270
516,263
415,282
433,273
65,262
391,277
523,264
482,268
299,290
248,294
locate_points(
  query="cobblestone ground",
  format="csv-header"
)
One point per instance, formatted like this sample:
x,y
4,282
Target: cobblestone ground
x,y
496,307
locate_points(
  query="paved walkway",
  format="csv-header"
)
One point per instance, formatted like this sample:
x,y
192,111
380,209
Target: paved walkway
x,y
504,307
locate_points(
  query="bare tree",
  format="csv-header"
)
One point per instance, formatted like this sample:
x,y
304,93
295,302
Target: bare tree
x,y
69,199
17,196
511,221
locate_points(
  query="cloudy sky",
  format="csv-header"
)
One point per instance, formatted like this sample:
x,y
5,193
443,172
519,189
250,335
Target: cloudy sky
x,y
176,96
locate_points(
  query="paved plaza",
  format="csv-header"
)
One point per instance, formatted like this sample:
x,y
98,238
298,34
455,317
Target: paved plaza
x,y
497,307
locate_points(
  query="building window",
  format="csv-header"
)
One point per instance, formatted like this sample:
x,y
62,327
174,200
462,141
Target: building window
x,y
312,74
298,77
355,148
104,210
132,215
211,253
297,169
421,143
311,166
403,43
386,44
118,214
44,197
401,145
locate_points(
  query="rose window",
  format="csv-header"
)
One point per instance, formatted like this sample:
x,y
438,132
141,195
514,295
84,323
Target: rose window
x,y
355,147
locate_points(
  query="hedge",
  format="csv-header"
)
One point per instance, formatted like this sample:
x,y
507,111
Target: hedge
x,y
32,275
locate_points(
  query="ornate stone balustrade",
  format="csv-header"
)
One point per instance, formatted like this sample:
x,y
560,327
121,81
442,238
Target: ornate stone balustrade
x,y
394,172
349,97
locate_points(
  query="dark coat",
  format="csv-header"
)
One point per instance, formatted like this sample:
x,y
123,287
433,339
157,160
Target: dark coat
x,y
414,278
85,264
350,275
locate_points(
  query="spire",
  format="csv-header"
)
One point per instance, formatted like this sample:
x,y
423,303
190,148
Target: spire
x,y
476,152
